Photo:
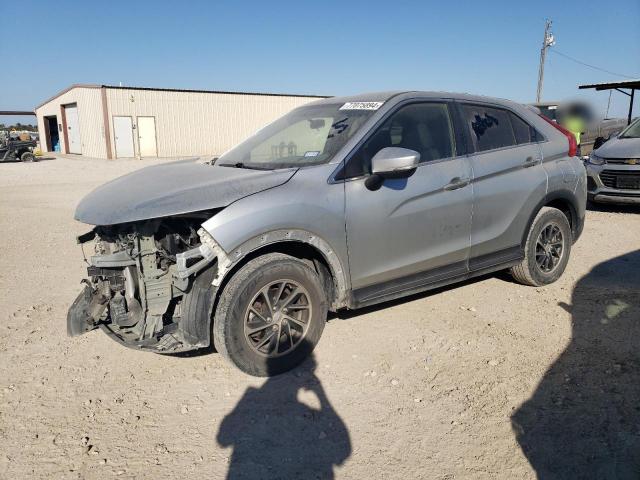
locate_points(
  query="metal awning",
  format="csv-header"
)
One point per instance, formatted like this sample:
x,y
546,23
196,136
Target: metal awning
x,y
631,85
17,112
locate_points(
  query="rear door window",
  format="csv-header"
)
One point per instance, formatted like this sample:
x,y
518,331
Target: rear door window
x,y
490,127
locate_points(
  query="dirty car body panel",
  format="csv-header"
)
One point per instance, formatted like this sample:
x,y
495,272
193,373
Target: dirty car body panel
x,y
166,239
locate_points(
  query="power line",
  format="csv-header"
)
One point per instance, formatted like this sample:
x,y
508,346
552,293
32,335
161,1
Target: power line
x,y
553,50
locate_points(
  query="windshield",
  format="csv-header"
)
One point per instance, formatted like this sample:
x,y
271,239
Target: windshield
x,y
306,136
632,131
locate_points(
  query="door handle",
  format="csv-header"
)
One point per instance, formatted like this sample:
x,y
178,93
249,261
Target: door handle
x,y
530,162
457,182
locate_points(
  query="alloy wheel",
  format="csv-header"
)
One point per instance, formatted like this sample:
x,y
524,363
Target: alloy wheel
x,y
549,248
277,318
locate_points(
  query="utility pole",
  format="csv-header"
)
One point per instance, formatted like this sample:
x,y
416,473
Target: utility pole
x,y
547,41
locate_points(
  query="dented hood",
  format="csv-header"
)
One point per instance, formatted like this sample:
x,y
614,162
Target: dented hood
x,y
172,189
620,148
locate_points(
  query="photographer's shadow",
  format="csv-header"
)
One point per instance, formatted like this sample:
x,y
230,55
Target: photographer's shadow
x,y
583,420
286,429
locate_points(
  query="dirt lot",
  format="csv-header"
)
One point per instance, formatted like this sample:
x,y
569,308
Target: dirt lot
x,y
488,379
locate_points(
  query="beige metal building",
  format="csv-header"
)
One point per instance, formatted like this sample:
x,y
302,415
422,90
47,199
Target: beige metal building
x,y
122,122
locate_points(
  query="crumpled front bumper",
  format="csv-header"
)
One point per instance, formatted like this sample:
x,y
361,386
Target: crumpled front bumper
x,y
86,310
90,306
144,305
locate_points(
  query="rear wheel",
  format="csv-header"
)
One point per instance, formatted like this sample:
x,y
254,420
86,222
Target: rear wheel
x,y
547,250
270,315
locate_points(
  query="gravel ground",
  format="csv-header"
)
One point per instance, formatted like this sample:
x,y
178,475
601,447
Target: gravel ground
x,y
487,379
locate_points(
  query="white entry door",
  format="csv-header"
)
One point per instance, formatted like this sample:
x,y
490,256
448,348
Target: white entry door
x,y
123,135
73,129
147,136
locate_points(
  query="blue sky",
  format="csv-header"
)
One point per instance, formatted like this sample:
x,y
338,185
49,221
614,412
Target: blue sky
x,y
324,47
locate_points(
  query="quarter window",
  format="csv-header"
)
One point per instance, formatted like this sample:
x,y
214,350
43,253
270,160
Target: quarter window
x,y
490,127
423,127
521,129
523,132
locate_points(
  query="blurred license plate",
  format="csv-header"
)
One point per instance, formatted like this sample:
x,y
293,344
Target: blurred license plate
x,y
629,183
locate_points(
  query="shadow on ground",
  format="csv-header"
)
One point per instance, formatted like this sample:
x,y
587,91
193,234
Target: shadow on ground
x,y
583,421
285,429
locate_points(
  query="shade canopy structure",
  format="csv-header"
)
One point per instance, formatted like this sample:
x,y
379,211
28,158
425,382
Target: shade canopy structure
x,y
17,112
620,86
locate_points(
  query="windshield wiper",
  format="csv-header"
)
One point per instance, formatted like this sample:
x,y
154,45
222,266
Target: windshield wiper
x,y
234,165
245,165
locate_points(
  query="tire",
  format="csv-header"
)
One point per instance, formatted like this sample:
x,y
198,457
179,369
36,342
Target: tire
x,y
301,293
28,157
529,271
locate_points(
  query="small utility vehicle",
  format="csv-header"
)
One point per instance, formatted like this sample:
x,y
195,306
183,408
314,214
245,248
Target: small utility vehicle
x,y
12,150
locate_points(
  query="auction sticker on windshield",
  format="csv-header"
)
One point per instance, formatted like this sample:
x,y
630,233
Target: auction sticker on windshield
x,y
361,106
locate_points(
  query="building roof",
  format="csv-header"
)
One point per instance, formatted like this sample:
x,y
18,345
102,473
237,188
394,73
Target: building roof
x,y
633,84
228,92
62,92
154,89
363,97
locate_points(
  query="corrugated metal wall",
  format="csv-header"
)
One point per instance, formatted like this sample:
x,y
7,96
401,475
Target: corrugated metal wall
x,y
90,119
193,123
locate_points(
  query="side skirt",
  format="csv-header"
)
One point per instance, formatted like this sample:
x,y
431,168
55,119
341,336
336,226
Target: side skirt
x,y
436,278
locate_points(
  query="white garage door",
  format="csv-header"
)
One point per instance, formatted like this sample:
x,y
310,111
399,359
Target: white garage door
x,y
73,129
147,136
123,134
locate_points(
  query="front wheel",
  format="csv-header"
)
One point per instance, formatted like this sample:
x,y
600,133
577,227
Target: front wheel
x,y
547,250
28,157
270,315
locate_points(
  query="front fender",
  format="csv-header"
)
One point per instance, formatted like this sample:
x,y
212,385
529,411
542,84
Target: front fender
x,y
306,209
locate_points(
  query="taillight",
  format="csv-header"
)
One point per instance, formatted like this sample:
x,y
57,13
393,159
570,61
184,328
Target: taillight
x,y
573,145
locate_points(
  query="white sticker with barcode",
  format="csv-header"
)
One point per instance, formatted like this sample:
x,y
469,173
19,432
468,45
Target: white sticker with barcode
x,y
361,106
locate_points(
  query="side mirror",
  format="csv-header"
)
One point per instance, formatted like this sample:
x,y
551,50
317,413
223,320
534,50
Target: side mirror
x,y
392,162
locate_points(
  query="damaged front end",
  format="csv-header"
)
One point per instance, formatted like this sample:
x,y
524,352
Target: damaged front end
x,y
150,284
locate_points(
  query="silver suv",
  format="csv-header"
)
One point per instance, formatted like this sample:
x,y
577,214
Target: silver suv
x,y
614,169
341,203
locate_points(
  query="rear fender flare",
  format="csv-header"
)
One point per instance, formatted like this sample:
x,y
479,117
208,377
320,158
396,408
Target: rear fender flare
x,y
564,195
